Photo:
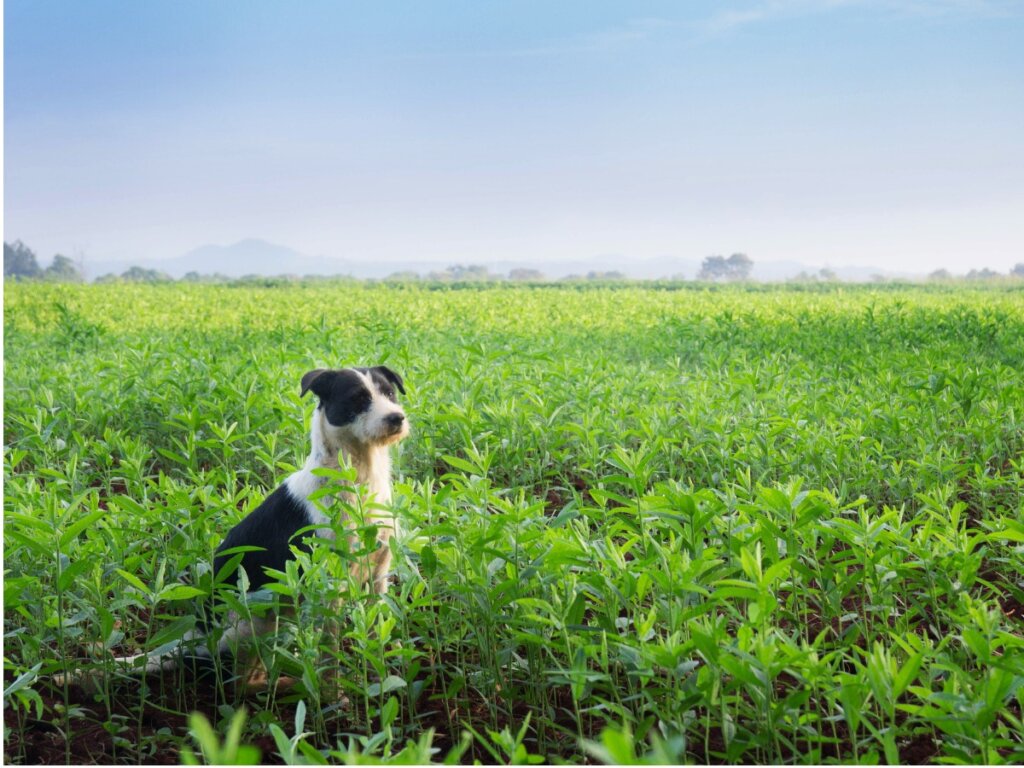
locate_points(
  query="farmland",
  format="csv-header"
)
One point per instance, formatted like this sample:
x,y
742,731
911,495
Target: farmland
x,y
666,523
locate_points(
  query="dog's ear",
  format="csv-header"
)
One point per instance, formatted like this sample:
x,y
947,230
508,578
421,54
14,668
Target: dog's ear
x,y
314,380
391,376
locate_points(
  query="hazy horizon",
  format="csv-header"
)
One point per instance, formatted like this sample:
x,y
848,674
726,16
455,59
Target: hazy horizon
x,y
881,133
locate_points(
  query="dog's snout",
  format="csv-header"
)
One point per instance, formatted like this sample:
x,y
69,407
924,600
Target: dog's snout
x,y
394,419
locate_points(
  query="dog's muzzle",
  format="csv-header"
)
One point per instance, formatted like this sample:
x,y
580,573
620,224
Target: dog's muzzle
x,y
394,422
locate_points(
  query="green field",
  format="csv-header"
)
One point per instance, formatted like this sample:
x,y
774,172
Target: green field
x,y
666,523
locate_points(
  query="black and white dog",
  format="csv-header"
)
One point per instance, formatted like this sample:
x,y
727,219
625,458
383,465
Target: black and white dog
x,y
357,419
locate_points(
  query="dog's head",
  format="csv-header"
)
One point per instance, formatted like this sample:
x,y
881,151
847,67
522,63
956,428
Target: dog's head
x,y
359,404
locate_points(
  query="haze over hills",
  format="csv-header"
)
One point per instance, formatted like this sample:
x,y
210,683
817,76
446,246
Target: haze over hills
x,y
253,256
246,257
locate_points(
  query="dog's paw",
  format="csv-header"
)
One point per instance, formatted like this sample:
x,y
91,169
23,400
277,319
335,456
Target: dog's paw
x,y
86,680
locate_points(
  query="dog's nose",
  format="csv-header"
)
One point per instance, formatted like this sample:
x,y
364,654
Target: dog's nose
x,y
394,420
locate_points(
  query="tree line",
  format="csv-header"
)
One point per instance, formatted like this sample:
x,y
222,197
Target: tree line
x,y
20,263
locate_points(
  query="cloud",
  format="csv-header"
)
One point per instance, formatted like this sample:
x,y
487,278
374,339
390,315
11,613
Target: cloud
x,y
631,32
767,10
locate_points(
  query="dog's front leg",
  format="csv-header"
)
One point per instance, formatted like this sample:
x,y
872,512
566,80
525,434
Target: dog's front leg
x,y
373,567
381,559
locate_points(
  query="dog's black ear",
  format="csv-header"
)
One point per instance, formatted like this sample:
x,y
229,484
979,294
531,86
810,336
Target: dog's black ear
x,y
391,376
314,380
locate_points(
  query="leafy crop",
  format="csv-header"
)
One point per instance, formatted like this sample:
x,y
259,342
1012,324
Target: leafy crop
x,y
638,524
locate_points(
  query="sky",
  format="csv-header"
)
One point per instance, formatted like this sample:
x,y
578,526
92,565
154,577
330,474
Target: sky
x,y
887,133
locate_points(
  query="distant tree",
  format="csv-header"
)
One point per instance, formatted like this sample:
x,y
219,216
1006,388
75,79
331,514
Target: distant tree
x,y
143,275
828,275
199,277
62,270
110,277
1018,270
473,273
736,267
740,266
982,274
940,275
523,274
405,276
612,275
20,261
270,281
713,268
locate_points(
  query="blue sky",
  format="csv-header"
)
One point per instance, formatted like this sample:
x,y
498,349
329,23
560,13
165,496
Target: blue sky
x,y
877,132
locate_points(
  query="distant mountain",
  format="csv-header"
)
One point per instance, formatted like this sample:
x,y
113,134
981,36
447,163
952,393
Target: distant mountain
x,y
246,257
258,257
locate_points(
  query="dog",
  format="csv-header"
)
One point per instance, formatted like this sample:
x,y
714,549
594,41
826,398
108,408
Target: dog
x,y
356,420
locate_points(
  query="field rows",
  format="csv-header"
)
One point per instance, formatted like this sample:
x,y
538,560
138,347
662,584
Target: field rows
x,y
637,523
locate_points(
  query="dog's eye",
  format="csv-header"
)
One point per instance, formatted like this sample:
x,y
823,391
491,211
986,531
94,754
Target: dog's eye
x,y
388,392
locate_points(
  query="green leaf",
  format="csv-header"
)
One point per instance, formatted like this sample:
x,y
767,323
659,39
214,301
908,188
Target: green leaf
x,y
71,572
24,679
977,642
180,592
281,741
390,683
851,696
428,561
134,580
906,674
205,737
312,754
388,712
72,533
462,464
177,458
